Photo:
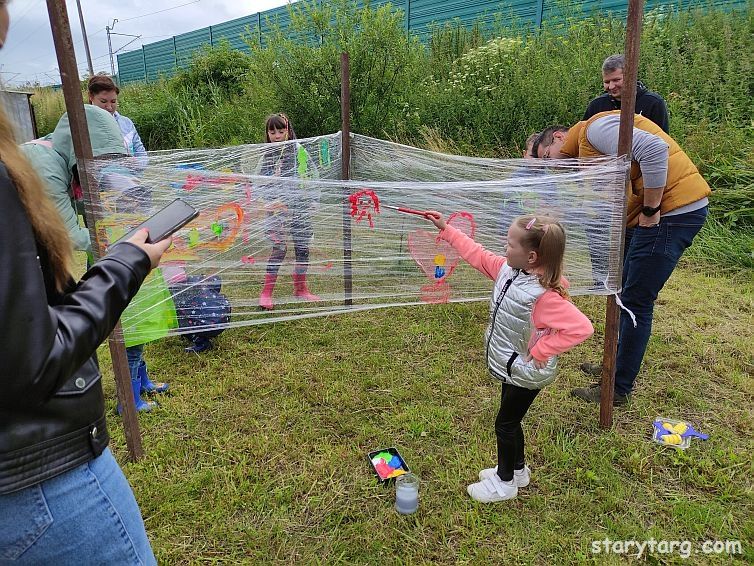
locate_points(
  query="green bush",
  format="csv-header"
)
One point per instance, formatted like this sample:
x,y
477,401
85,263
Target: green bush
x,y
175,113
299,73
696,59
215,71
49,106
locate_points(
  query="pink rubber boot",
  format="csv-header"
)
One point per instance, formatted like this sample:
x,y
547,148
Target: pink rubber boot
x,y
301,290
265,299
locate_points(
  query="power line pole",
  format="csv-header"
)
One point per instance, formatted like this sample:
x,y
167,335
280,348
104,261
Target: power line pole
x,y
110,33
110,47
86,39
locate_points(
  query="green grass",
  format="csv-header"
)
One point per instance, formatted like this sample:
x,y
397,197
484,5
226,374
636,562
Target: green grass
x,y
259,454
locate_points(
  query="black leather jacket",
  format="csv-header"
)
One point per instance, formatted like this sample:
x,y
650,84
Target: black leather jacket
x,y
51,403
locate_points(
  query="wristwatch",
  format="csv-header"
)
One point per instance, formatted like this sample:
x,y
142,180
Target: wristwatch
x,y
650,211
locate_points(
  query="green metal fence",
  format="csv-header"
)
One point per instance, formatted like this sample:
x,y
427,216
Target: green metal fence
x,y
164,57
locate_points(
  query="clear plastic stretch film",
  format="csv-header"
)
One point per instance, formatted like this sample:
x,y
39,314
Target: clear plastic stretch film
x,y
261,201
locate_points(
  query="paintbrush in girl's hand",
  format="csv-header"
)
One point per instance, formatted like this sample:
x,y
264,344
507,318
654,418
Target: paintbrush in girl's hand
x,y
405,210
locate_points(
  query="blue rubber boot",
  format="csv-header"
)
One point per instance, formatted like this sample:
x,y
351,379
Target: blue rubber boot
x,y
147,385
141,404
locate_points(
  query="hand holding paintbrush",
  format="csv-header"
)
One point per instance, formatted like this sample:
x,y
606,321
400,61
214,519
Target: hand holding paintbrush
x,y
428,214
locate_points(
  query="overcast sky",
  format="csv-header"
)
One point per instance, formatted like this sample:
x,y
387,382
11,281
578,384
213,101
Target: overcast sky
x,y
29,54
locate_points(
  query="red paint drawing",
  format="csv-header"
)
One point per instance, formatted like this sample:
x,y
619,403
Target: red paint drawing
x,y
194,181
364,204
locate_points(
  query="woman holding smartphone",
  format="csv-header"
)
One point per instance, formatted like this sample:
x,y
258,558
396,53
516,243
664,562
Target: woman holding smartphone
x,y
63,497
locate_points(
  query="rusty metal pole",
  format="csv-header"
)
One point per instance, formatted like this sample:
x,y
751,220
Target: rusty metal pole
x,y
61,33
625,139
345,173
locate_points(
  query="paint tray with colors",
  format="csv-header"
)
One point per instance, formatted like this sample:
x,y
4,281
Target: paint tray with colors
x,y
388,464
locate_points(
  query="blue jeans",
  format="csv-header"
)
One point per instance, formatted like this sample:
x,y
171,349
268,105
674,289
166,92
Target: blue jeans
x,y
135,356
87,515
651,254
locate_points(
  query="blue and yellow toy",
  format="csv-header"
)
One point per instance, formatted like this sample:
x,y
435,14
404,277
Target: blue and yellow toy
x,y
678,434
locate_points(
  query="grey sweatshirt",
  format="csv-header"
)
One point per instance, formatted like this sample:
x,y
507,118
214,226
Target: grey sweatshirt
x,y
648,150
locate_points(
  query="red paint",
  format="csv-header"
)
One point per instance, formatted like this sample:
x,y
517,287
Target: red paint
x,y
363,204
436,293
193,181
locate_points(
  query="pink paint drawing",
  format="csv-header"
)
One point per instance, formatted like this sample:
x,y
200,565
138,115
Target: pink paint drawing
x,y
437,259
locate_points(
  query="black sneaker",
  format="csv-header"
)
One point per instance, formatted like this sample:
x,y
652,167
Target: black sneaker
x,y
592,394
591,369
198,345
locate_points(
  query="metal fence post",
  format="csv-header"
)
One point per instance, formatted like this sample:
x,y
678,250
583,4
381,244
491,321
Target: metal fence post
x,y
408,17
175,56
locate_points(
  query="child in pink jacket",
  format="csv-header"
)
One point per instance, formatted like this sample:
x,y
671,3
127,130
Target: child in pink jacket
x,y
531,323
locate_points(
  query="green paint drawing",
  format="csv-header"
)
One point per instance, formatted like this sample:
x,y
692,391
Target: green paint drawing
x,y
324,153
302,162
193,237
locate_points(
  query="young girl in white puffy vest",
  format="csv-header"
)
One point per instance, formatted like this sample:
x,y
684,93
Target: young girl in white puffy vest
x,y
532,321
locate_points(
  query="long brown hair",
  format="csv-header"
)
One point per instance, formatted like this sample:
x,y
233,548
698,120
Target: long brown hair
x,y
546,236
46,222
101,83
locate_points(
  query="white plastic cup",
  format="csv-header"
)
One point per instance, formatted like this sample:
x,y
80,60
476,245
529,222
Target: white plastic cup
x,y
406,494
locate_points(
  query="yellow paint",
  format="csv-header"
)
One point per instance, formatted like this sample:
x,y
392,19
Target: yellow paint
x,y
671,438
680,428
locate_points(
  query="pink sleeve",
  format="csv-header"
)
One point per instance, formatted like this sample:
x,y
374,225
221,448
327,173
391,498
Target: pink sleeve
x,y
475,254
567,324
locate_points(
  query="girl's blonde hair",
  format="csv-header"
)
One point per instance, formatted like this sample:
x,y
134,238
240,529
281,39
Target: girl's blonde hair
x,y
546,236
49,230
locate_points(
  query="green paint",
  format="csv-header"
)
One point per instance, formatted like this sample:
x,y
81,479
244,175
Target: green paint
x,y
193,238
302,161
324,153
151,314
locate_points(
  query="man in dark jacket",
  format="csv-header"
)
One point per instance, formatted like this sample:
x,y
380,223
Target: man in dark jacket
x,y
649,104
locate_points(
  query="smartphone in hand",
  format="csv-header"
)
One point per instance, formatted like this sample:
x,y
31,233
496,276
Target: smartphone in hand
x,y
166,221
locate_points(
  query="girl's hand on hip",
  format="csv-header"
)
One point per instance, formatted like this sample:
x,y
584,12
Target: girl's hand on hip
x,y
535,362
649,221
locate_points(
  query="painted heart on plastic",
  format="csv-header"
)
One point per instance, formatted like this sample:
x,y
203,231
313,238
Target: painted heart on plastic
x,y
436,257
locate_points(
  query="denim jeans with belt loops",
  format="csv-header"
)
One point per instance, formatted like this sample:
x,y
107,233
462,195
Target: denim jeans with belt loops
x,y
651,254
87,515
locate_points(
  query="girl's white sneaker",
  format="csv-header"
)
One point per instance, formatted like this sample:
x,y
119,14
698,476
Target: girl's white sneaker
x,y
520,477
492,490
